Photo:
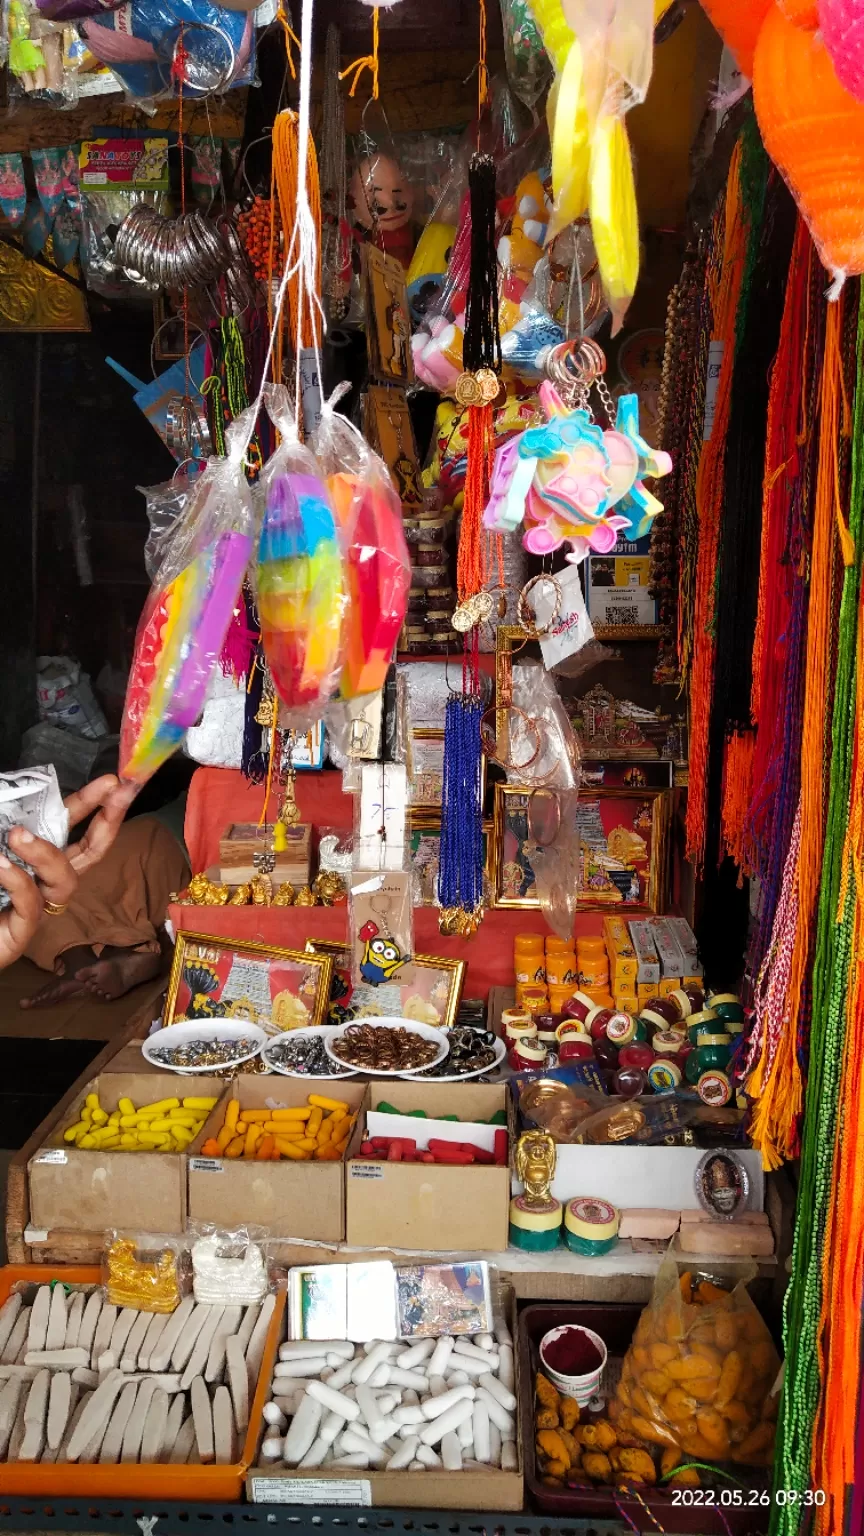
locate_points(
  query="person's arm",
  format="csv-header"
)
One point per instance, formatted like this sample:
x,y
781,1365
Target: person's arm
x,y
57,869
58,882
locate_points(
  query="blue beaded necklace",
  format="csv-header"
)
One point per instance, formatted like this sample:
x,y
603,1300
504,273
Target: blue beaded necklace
x,y
460,870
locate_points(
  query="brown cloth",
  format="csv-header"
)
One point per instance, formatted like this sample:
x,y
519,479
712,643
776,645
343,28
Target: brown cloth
x,y
123,900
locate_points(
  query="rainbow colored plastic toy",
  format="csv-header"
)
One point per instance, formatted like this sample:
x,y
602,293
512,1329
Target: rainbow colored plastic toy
x,y
300,586
180,637
378,576
572,482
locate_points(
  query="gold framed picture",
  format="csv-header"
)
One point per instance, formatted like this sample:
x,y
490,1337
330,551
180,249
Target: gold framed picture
x,y
431,997
623,840
425,769
277,989
388,328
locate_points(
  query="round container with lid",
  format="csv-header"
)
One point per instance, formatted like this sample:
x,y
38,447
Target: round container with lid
x,y
579,1006
598,1022
518,1026
606,1053
535,1229
629,1082
561,969
637,1054
556,945
591,946
529,959
547,1031
560,995
712,1050
727,1006
668,1042
661,1012
590,1226
689,999
528,1055
692,1069
664,1076
699,1023
714,1088
532,997
575,1048
593,973
623,1029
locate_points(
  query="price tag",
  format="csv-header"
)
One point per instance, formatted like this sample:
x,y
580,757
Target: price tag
x,y
52,1155
205,1165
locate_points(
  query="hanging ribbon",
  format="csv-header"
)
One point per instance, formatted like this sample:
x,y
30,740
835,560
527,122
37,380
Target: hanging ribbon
x,y
369,61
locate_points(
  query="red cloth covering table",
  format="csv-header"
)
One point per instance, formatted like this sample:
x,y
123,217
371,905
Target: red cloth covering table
x,y
219,796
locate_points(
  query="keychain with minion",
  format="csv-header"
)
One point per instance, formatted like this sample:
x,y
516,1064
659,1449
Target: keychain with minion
x,y
381,957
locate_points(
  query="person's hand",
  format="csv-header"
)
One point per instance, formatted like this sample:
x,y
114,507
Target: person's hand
x,y
58,882
57,869
115,799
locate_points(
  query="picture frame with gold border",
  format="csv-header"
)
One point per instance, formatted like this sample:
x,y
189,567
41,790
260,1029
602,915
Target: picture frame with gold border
x,y
425,987
304,1004
510,890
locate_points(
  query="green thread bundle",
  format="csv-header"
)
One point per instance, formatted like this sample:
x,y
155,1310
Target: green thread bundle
x,y
804,1297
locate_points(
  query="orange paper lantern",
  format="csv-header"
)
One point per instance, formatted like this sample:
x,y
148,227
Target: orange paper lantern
x,y
814,132
738,22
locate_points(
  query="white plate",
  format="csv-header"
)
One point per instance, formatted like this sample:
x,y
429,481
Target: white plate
x,y
423,1076
425,1030
202,1029
322,1031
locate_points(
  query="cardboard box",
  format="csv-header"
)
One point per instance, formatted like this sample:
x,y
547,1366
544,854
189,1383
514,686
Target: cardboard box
x,y
76,1190
623,964
668,949
685,938
486,1488
191,1482
648,972
634,1178
290,1199
429,1207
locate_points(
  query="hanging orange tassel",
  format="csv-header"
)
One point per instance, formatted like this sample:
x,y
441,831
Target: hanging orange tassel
x,y
737,789
709,504
471,563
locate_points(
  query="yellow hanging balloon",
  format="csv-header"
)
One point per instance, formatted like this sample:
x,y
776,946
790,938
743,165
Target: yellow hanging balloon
x,y
558,36
614,218
570,135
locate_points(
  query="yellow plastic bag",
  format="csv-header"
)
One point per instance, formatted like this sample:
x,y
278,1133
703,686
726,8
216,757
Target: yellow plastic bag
x,y
699,1375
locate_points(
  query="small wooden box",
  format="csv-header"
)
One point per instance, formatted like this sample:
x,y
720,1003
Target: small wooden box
x,y
243,840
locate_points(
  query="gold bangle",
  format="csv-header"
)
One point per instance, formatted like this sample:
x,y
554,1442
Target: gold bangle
x,y
54,908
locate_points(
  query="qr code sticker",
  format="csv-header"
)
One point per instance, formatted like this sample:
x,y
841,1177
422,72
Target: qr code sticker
x,y
624,615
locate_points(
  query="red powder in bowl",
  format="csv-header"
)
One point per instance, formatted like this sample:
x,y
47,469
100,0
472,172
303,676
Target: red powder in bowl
x,y
573,1353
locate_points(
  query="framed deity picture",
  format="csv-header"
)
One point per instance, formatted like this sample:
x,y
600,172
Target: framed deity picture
x,y
431,997
623,842
277,989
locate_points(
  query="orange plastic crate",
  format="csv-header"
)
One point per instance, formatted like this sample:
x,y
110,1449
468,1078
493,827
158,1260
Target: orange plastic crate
x,y
223,1484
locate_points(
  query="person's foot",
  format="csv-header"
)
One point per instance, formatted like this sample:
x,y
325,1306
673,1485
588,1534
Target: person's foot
x,y
118,971
66,983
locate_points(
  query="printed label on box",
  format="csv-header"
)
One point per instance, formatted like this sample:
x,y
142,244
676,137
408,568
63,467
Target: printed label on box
x,y
312,1490
206,1165
124,163
366,1170
618,584
54,1155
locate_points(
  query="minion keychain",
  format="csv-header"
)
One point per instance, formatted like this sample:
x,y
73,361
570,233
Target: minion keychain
x,y
382,956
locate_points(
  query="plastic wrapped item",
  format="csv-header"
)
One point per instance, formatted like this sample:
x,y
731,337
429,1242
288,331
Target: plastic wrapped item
x,y
377,564
539,716
36,54
66,698
228,1268
300,574
141,44
555,856
528,67
701,1376
165,503
381,912
144,1270
183,627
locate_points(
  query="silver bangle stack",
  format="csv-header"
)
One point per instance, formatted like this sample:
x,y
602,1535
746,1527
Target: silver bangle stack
x,y
185,252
